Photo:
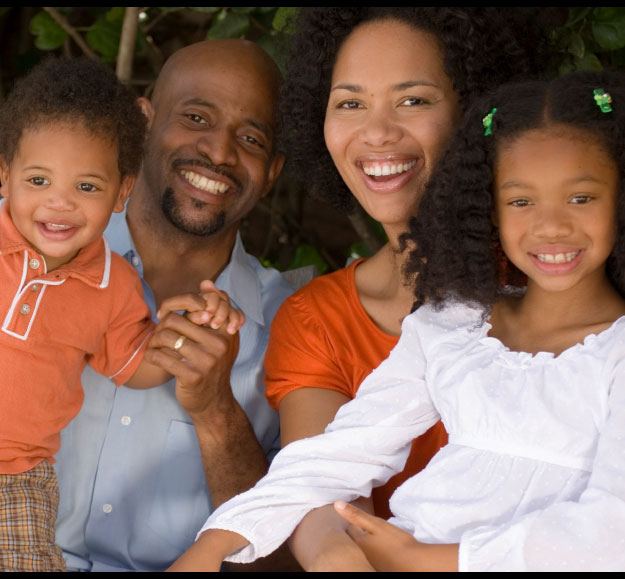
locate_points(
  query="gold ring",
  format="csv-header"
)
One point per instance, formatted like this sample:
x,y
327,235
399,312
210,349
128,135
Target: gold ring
x,y
179,343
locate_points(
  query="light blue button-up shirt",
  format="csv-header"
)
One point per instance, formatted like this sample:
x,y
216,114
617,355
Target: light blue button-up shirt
x,y
133,490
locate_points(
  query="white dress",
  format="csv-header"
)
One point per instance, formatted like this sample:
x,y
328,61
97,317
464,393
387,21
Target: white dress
x,y
533,477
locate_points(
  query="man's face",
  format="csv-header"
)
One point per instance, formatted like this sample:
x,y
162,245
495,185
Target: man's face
x,y
209,155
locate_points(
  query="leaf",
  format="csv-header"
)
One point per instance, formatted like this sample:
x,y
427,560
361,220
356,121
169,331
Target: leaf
x,y
207,10
284,20
589,62
308,255
103,37
610,14
576,46
609,35
229,25
48,34
359,249
576,14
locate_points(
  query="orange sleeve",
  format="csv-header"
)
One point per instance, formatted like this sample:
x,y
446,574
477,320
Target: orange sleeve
x,y
300,352
129,329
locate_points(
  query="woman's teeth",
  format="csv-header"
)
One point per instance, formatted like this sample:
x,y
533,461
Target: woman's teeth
x,y
383,169
557,257
204,183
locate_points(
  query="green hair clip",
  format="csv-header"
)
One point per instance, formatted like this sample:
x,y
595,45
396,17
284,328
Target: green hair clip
x,y
487,121
603,100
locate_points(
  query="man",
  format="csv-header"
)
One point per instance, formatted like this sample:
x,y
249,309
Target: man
x,y
139,471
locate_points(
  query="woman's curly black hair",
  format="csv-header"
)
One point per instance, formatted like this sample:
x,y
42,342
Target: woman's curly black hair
x,y
75,91
454,247
480,51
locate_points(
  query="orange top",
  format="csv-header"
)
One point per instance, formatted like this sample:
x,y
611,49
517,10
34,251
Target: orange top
x,y
322,337
88,310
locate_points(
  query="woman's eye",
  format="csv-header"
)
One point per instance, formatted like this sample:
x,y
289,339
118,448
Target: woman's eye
x,y
39,181
87,187
413,102
350,105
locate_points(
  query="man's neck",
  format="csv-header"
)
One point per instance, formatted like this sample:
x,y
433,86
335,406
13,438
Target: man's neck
x,y
175,262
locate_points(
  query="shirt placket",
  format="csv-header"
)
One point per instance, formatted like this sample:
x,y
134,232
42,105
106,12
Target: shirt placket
x,y
25,306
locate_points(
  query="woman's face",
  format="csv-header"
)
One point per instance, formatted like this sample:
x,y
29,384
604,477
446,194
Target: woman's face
x,y
390,113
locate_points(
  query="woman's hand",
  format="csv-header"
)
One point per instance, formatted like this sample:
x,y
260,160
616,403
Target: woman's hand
x,y
388,548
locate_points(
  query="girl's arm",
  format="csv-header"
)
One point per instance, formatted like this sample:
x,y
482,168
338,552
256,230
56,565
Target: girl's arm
x,y
367,443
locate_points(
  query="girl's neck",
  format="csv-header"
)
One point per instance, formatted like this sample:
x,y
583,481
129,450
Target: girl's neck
x,y
547,321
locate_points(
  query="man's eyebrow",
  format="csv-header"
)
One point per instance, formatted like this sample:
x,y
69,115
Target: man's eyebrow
x,y
200,102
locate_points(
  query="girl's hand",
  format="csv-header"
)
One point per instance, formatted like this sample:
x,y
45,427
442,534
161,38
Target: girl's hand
x,y
388,548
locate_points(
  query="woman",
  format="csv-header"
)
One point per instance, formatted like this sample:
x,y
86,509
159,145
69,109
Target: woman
x,y
371,98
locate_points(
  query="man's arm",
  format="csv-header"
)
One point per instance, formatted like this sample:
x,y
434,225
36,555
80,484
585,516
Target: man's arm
x,y
232,457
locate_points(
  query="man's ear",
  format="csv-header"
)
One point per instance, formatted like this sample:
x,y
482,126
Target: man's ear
x,y
275,168
147,108
125,188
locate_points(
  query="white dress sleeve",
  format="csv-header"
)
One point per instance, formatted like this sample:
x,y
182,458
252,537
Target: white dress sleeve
x,y
367,443
585,535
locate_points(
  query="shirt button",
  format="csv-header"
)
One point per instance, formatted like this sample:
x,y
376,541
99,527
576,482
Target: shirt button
x,y
135,261
126,420
34,287
25,309
34,263
107,508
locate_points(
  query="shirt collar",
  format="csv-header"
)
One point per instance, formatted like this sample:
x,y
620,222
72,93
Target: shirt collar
x,y
92,265
239,278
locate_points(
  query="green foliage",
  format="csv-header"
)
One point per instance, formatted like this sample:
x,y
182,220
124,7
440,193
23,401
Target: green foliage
x,y
48,34
590,39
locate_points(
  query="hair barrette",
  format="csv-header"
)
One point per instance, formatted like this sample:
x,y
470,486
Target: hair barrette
x,y
603,100
487,122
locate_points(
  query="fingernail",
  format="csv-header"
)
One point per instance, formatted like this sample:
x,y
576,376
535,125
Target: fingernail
x,y
340,505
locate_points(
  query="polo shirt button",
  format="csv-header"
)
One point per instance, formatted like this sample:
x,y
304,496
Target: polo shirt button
x,y
34,263
107,508
34,287
135,261
126,420
25,309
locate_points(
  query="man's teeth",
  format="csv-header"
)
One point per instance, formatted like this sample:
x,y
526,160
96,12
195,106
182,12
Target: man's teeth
x,y
383,169
557,257
204,183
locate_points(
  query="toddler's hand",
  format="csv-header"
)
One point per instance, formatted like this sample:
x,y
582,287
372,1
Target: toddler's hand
x,y
220,309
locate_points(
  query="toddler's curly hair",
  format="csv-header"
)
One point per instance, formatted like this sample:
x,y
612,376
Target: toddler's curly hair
x,y
77,91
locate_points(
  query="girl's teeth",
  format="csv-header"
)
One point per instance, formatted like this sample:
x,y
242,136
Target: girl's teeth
x,y
557,257
204,183
376,170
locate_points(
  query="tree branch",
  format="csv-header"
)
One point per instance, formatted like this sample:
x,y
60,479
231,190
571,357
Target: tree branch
x,y
65,25
125,55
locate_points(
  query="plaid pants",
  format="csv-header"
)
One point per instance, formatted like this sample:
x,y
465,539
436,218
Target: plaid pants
x,y
28,507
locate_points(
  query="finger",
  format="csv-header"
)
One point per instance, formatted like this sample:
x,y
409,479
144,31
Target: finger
x,y
174,364
184,302
235,322
357,516
214,301
222,313
207,286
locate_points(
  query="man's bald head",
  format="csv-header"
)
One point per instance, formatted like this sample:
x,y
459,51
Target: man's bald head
x,y
232,53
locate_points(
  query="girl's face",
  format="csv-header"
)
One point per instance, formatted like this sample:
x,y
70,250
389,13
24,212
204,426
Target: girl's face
x,y
62,186
555,205
390,113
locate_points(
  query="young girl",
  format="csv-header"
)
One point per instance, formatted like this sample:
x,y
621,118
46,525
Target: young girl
x,y
529,382
72,138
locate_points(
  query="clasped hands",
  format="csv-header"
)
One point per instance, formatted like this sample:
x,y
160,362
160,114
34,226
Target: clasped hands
x,y
199,347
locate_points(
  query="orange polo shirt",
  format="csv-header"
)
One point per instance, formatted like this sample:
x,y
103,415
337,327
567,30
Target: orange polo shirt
x,y
90,310
322,337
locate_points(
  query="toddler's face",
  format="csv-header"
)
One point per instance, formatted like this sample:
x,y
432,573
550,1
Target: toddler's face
x,y
62,185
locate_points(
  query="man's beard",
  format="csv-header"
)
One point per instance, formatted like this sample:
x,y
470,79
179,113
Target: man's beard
x,y
172,212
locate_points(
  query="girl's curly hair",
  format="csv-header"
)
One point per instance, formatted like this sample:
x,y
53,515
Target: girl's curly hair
x,y
454,247
480,51
75,91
